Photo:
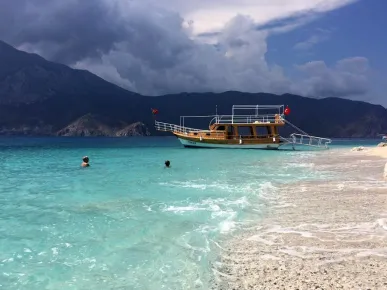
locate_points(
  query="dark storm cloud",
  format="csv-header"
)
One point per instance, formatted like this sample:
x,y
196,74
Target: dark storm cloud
x,y
65,31
151,50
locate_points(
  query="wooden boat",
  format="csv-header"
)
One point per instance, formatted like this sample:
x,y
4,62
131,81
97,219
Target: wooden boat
x,y
257,130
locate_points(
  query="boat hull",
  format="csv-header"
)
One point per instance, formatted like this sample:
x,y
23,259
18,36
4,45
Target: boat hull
x,y
204,144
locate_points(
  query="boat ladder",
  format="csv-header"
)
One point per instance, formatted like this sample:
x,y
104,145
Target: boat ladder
x,y
307,140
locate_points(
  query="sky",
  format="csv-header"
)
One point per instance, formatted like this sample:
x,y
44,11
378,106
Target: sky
x,y
314,48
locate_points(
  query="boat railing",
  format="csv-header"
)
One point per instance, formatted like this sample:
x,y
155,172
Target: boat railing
x,y
258,109
260,136
248,119
167,127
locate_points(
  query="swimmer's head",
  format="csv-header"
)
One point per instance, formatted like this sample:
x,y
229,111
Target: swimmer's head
x,y
167,163
85,159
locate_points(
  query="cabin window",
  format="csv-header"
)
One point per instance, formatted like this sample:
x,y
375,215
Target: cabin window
x,y
221,128
195,134
263,131
230,131
208,134
245,131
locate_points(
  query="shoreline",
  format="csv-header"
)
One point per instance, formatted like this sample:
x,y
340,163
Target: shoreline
x,y
328,234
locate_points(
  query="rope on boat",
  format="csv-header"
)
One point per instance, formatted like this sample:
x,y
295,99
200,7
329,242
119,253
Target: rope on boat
x,y
295,127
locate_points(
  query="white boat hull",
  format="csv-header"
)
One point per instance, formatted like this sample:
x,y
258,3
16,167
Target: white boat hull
x,y
189,143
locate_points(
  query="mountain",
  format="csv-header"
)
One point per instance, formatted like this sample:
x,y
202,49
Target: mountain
x,y
135,129
86,126
91,125
39,97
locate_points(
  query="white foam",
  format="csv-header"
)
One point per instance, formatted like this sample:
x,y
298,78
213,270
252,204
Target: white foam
x,y
220,208
281,230
267,191
204,249
211,205
55,251
204,229
214,207
180,209
183,184
196,184
227,226
147,207
221,213
254,187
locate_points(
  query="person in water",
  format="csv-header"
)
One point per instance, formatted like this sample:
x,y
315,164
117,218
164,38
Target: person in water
x,y
167,164
85,162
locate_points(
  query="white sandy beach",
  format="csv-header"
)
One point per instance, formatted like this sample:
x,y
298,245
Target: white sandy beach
x,y
320,234
378,151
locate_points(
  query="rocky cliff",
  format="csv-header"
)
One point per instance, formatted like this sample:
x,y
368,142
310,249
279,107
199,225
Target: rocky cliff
x,y
135,129
94,126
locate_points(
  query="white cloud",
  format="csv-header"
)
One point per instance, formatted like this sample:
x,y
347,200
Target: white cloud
x,y
348,77
211,16
319,36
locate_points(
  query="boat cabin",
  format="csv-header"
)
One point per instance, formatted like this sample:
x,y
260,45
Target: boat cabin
x,y
238,131
253,128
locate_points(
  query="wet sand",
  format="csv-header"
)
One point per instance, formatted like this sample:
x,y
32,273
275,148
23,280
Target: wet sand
x,y
328,234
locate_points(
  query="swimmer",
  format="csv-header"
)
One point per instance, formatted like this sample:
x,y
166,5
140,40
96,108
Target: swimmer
x,y
167,164
85,162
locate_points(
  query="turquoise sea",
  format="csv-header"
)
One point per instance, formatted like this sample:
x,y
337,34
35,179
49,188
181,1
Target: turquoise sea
x,y
126,222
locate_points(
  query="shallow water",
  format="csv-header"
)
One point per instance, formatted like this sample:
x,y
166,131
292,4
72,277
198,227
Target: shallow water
x,y
126,222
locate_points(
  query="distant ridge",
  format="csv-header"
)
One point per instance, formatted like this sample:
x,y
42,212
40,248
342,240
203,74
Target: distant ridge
x,y
39,97
90,125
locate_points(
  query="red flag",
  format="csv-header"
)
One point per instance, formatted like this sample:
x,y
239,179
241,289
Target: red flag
x,y
287,111
155,111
